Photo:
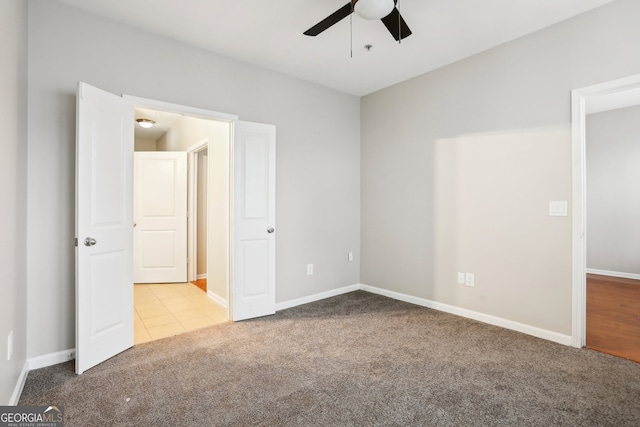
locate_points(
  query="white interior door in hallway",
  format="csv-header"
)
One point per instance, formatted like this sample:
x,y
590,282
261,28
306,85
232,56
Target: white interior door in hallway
x,y
160,217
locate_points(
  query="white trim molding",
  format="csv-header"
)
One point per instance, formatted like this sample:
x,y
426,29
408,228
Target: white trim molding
x,y
470,314
192,202
218,299
181,109
582,101
38,362
22,379
633,276
51,359
317,297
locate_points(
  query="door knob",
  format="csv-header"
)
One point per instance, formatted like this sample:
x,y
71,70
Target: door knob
x,y
270,230
90,241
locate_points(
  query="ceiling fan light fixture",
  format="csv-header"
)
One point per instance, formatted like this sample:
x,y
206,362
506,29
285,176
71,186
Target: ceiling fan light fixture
x,y
145,123
373,9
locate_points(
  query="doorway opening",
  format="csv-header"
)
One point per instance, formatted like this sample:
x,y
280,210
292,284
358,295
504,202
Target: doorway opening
x,y
172,233
198,184
105,223
602,97
198,219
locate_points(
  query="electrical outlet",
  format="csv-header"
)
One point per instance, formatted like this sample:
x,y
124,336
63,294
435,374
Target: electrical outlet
x,y
10,345
470,279
461,278
309,269
350,256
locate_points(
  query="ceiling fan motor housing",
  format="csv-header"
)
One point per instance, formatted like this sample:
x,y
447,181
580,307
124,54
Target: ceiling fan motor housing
x,y
373,9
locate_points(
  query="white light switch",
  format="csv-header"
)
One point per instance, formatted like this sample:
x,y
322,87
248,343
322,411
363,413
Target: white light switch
x,y
558,208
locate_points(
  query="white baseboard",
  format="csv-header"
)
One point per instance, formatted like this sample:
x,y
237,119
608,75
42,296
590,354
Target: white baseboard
x,y
201,276
316,297
51,359
37,363
613,273
481,317
218,299
17,391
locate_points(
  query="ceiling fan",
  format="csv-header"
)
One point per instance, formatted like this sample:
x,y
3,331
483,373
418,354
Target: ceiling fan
x,y
385,10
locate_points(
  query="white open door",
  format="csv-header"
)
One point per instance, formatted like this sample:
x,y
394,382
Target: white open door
x,y
104,226
160,215
254,277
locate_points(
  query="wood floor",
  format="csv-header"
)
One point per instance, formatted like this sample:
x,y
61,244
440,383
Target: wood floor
x,y
613,316
202,284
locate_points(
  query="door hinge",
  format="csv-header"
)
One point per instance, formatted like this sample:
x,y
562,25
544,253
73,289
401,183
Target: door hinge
x,y
75,242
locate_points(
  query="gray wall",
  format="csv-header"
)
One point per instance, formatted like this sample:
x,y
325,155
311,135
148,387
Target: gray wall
x,y
613,192
13,189
318,177
458,167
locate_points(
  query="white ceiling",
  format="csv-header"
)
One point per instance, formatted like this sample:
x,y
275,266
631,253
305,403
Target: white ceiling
x,y
164,121
269,33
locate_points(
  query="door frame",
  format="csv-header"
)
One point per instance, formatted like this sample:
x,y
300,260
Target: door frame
x,y
207,115
192,201
604,96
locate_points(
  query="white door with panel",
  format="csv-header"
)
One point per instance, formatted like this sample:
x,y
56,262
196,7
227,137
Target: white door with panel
x,y
254,243
160,215
104,226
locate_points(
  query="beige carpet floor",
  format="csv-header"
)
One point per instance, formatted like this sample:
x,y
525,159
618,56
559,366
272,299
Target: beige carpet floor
x,y
354,360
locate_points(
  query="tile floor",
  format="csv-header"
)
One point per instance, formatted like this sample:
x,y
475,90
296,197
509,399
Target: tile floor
x,y
167,309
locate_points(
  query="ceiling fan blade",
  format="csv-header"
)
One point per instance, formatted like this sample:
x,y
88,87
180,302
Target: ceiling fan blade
x,y
330,20
396,25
